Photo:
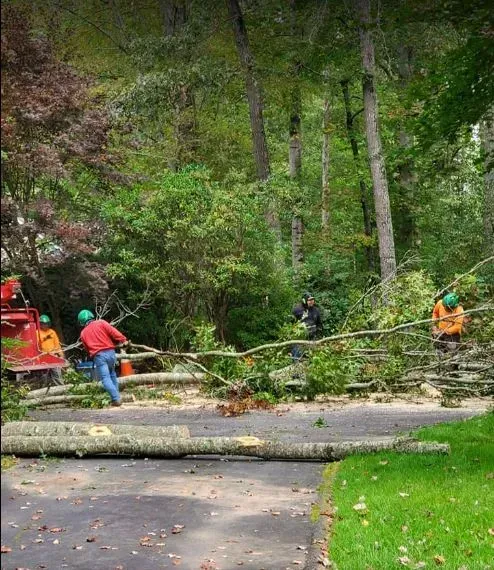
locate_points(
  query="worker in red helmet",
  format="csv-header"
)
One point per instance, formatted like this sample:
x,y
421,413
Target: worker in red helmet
x,y
50,343
100,339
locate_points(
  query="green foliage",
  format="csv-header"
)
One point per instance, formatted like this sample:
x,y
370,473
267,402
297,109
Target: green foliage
x,y
265,397
142,393
320,423
12,393
198,244
197,238
12,410
408,298
328,371
230,369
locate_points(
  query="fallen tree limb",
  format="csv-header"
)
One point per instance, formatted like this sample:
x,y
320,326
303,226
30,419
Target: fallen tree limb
x,y
125,381
308,343
471,379
251,446
91,429
138,356
458,279
64,399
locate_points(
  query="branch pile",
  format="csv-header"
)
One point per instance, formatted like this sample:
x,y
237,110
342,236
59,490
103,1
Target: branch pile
x,y
466,372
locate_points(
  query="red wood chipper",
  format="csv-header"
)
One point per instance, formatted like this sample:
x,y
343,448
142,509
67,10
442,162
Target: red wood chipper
x,y
25,359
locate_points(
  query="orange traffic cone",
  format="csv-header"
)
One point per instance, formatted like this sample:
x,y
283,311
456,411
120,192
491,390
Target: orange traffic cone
x,y
126,367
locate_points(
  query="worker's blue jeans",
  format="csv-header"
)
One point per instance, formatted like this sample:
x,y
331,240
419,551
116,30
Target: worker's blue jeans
x,y
104,362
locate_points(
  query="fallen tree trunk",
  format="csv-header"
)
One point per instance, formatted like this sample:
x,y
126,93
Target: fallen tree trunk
x,y
132,380
64,399
251,446
91,429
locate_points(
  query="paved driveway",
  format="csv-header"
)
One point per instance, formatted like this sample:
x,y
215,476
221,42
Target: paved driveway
x,y
194,513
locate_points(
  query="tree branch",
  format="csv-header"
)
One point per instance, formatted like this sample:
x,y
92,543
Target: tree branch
x,y
308,343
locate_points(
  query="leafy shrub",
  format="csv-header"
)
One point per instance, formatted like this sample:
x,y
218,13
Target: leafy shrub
x,y
329,371
12,394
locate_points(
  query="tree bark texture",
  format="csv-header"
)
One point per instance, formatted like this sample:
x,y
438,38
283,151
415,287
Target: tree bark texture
x,y
297,241
364,194
174,16
256,105
80,446
295,164
254,95
487,136
134,380
52,429
378,168
406,176
295,144
326,118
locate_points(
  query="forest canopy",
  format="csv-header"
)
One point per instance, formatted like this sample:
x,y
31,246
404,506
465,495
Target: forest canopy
x,y
225,157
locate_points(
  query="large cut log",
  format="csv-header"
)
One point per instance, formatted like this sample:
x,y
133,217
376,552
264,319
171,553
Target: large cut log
x,y
158,447
91,429
132,380
64,399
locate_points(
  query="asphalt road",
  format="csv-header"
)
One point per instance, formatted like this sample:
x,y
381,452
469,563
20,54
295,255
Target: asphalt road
x,y
203,513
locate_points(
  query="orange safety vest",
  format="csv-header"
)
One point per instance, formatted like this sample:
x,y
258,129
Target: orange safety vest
x,y
452,325
49,341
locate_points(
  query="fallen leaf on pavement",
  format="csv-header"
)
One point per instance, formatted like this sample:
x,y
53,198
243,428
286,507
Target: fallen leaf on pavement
x,y
5,549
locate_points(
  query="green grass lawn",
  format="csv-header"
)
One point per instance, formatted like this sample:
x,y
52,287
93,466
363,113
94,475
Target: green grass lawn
x,y
412,511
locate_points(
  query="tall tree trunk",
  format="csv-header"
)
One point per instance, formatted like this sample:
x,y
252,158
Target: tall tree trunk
x,y
174,15
295,148
364,194
487,137
256,105
378,168
407,228
326,117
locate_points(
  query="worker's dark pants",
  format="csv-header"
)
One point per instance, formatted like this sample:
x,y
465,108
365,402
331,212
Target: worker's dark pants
x,y
105,362
447,343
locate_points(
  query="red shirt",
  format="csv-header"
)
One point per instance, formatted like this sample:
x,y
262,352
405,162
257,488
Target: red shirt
x,y
100,335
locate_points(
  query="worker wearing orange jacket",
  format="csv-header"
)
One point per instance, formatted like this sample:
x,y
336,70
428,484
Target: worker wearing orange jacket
x,y
447,332
48,338
49,342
